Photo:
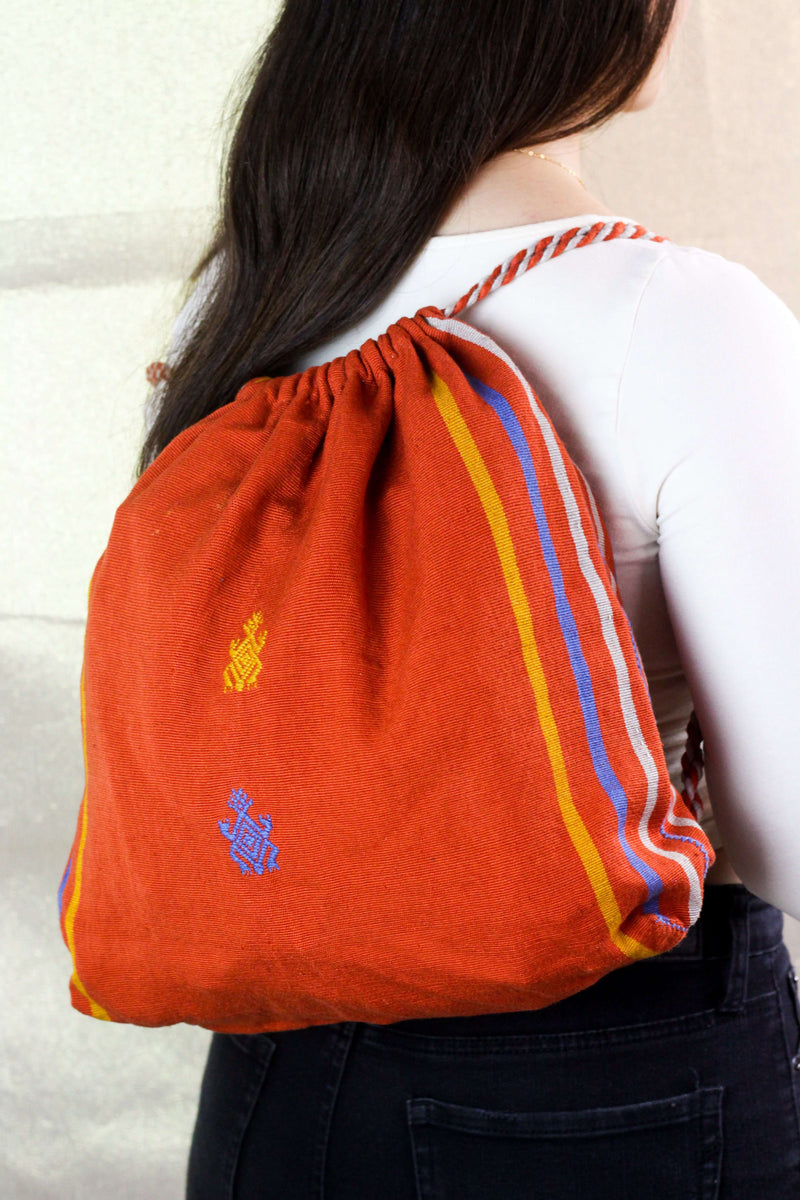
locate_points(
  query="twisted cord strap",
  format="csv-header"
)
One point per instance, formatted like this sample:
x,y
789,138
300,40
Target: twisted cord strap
x,y
692,764
549,247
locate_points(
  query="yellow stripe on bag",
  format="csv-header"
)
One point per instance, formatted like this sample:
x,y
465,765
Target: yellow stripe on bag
x,y
69,920
495,514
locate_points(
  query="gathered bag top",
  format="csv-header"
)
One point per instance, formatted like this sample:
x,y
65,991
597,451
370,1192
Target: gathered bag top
x,y
366,732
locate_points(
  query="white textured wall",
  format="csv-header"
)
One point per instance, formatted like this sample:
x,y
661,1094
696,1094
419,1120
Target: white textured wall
x,y
111,137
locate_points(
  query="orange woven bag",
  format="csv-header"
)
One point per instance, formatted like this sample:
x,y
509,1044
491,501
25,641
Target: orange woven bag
x,y
366,732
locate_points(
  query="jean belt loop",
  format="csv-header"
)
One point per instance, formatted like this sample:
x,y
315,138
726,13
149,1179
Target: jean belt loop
x,y
736,983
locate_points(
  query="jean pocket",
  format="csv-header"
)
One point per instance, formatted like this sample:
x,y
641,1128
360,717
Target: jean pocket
x,y
232,1080
661,1149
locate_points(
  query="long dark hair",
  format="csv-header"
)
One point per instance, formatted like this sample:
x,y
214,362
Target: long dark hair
x,y
364,121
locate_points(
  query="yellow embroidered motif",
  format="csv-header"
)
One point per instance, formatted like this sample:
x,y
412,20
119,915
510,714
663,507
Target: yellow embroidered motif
x,y
245,663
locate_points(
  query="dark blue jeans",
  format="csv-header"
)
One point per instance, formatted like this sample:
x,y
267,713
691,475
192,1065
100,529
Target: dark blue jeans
x,y
673,1078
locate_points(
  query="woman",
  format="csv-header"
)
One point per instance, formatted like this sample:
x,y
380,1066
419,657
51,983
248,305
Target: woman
x,y
389,155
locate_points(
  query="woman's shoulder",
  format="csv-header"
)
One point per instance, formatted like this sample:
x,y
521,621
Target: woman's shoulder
x,y
711,286
711,346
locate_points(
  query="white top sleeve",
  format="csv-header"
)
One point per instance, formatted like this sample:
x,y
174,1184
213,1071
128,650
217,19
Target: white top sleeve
x,y
709,413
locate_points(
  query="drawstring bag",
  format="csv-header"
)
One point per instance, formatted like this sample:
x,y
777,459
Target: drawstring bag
x,y
366,732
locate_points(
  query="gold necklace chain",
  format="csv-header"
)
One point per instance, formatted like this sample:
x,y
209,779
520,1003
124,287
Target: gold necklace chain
x,y
536,154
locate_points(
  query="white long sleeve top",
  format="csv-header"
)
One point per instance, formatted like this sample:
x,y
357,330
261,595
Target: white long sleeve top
x,y
672,375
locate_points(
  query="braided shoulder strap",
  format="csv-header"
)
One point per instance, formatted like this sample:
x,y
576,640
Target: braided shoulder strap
x,y
550,247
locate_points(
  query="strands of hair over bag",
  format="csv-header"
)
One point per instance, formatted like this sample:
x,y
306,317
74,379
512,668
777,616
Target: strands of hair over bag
x,y
363,122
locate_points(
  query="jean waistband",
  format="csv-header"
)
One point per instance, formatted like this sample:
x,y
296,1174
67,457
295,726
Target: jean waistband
x,y
733,925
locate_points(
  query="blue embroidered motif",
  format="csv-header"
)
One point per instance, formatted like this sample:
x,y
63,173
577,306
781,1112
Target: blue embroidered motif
x,y
249,840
